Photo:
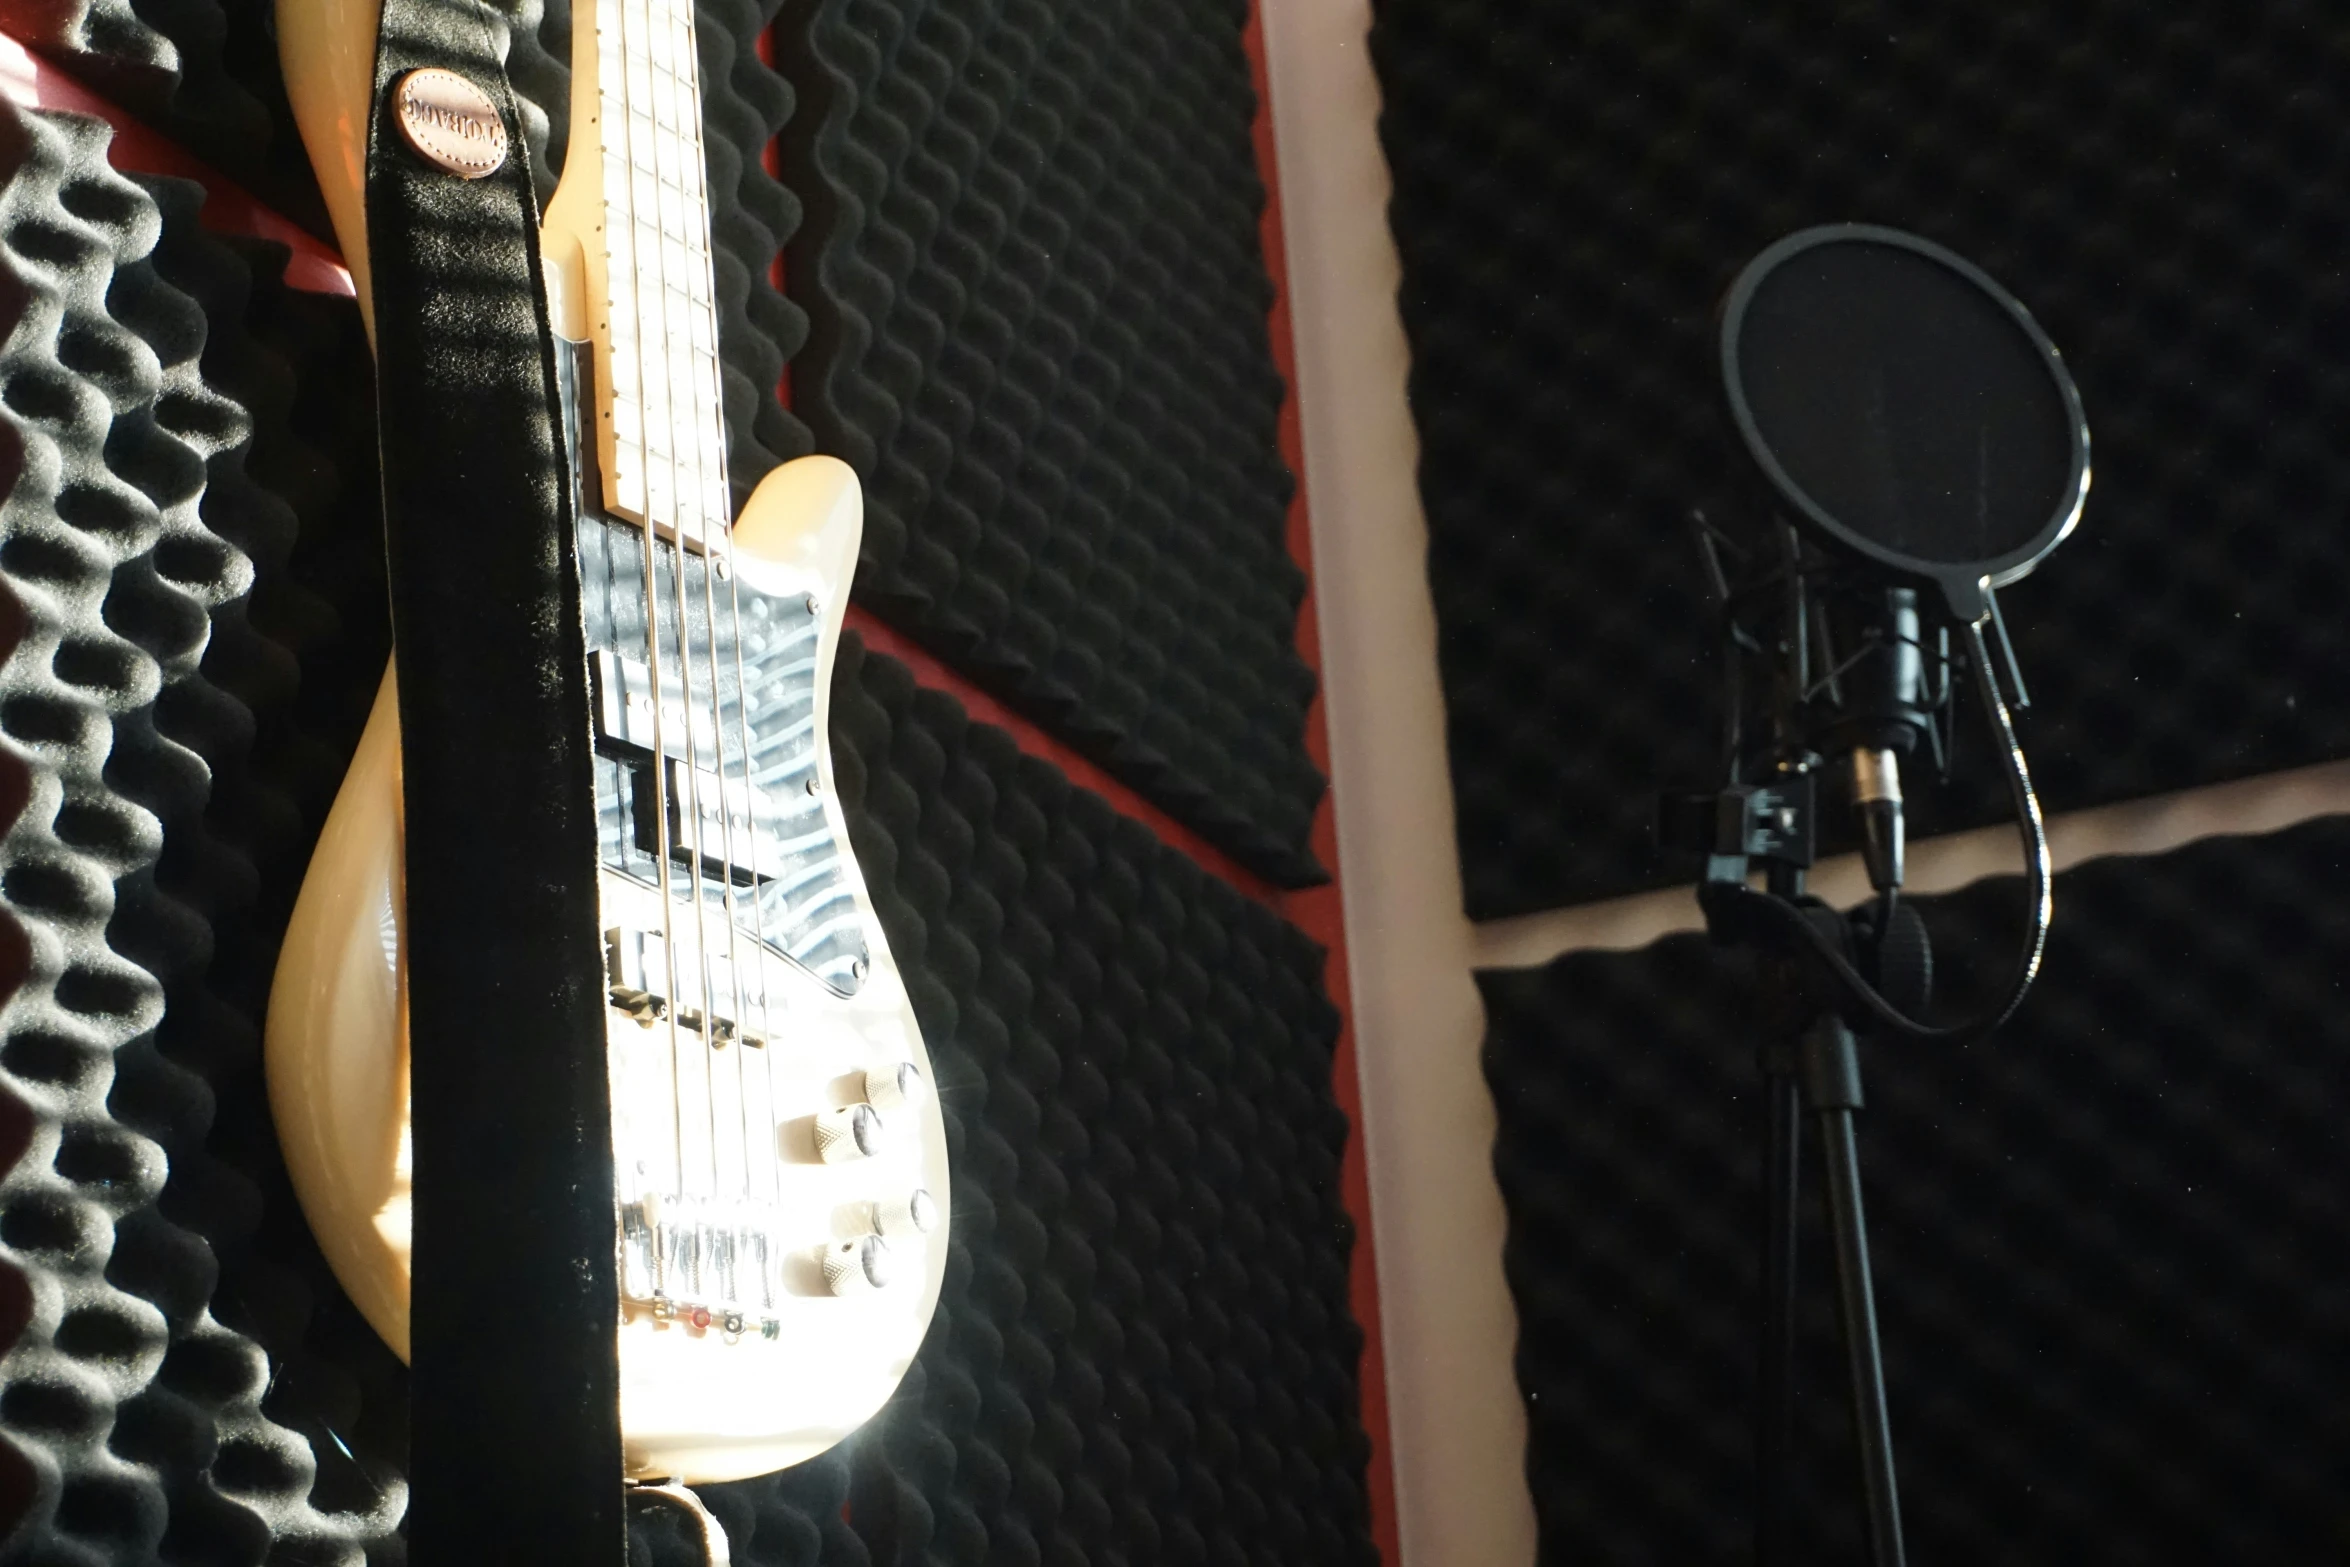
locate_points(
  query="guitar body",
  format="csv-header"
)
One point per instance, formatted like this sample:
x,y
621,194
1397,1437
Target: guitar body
x,y
782,1170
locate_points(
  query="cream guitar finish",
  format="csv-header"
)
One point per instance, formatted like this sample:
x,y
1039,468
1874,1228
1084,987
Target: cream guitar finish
x,y
783,1194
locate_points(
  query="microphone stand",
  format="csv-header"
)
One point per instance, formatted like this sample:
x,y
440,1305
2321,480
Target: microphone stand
x,y
1810,1061
1809,1054
1825,972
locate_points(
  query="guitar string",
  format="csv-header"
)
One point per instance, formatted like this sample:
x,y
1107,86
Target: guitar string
x,y
708,413
692,818
758,921
656,37
645,17
686,499
711,408
620,219
653,29
698,407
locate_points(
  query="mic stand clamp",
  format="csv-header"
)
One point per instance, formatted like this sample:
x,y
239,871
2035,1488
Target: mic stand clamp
x,y
1810,1060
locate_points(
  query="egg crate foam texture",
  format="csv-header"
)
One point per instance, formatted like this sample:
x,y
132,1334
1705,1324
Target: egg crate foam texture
x,y
171,1337
1144,1350
1577,184
203,73
207,74
2107,1239
1037,302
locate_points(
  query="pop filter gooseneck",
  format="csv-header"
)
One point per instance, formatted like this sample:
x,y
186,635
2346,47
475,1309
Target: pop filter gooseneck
x,y
1919,445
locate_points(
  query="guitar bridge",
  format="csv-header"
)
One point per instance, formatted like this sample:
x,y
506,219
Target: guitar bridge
x,y
700,1264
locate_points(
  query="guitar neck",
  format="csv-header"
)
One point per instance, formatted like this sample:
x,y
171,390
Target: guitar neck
x,y
635,175
626,238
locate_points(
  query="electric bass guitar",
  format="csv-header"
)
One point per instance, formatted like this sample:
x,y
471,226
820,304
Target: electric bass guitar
x,y
781,1161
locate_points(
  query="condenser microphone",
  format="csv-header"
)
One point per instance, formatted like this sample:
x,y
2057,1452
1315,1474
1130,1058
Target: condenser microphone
x,y
1884,719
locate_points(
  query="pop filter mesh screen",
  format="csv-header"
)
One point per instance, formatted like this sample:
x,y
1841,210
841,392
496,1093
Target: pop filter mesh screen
x,y
1905,401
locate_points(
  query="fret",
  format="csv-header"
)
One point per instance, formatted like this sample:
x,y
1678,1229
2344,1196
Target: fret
x,y
668,465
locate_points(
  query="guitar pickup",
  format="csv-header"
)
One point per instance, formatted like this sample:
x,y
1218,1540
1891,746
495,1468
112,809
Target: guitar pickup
x,y
711,821
721,1000
626,721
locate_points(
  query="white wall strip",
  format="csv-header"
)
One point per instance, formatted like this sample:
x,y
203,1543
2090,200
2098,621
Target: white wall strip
x,y
1450,1330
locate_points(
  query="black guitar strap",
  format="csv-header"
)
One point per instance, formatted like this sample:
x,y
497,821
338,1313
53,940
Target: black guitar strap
x,y
514,1421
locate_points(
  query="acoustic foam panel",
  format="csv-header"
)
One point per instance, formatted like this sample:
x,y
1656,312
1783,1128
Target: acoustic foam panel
x,y
1037,306
140,1411
203,73
2108,1239
1145,1347
1576,185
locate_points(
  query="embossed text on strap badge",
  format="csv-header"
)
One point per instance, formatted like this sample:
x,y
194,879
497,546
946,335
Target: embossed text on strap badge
x,y
450,122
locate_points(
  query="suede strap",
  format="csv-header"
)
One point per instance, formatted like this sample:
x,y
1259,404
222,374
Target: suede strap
x,y
515,1440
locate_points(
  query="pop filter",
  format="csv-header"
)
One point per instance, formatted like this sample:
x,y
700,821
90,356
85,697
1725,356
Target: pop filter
x,y
1905,407
1919,438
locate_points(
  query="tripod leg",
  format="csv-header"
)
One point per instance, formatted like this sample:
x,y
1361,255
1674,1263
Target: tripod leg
x,y
1775,1384
1832,1084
